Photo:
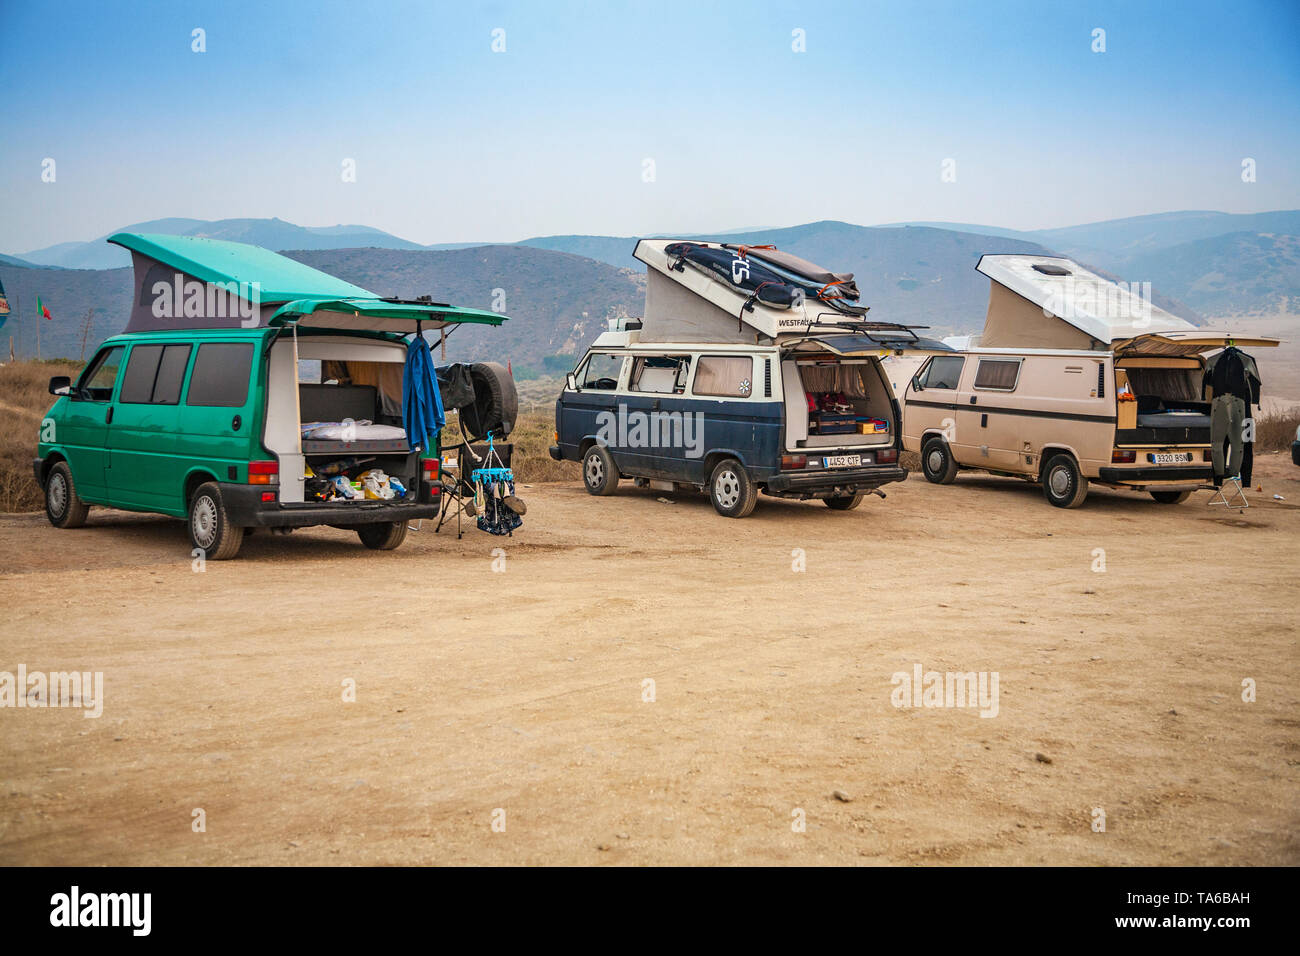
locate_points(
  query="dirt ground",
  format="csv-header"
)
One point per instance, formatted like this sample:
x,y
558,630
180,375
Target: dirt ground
x,y
524,690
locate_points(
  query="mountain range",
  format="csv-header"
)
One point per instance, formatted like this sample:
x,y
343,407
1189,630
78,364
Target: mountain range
x,y
559,290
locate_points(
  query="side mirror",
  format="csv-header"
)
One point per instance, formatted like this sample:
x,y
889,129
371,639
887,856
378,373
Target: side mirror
x,y
916,384
571,382
60,385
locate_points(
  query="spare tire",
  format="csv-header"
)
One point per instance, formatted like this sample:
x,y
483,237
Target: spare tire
x,y
496,403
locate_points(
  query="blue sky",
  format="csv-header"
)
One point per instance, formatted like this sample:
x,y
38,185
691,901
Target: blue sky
x,y
454,142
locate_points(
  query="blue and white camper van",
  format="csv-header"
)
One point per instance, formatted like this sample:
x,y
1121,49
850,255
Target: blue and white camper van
x,y
739,379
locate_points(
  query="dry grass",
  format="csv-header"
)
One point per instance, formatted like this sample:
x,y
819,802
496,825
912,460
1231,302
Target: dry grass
x,y
533,435
24,400
1277,431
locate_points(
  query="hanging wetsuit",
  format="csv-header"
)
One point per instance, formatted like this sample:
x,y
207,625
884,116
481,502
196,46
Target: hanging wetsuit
x,y
1233,377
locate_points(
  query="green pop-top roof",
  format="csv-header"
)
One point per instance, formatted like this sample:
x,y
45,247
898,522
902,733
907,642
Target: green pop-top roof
x,y
280,278
311,297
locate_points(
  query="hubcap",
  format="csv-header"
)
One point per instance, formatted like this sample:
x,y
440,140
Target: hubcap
x,y
935,461
726,488
1059,482
595,470
58,495
203,522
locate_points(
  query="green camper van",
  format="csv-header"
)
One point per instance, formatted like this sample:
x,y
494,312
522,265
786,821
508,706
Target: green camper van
x,y
243,419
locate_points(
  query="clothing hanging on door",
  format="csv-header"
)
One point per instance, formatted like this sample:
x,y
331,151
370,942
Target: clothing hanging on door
x,y
1233,378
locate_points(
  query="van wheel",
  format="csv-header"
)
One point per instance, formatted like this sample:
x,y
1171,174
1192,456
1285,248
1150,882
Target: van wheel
x,y
210,529
1171,497
731,490
599,473
937,462
382,535
845,502
63,506
1063,485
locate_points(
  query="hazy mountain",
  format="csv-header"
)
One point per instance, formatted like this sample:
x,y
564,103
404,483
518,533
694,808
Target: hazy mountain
x,y
273,234
1224,275
559,290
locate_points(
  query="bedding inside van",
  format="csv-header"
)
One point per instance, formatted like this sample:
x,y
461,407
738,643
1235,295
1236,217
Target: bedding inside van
x,y
1168,397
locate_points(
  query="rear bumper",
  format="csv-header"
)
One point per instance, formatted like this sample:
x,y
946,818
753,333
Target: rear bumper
x,y
247,510
846,480
1191,474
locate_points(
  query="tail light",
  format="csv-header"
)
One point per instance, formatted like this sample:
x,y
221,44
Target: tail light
x,y
263,472
1119,457
268,496
1207,455
794,461
886,455
429,468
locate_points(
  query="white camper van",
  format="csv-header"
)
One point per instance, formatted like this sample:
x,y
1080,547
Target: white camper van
x,y
1074,379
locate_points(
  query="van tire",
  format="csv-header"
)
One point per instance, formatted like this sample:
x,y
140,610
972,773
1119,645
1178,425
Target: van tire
x,y
937,462
844,502
1063,484
731,490
382,535
63,506
496,402
599,473
210,529
1170,497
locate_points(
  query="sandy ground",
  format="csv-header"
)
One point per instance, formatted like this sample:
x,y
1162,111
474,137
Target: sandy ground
x,y
524,690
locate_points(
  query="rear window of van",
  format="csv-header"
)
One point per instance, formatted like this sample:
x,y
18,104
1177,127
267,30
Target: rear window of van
x,y
220,376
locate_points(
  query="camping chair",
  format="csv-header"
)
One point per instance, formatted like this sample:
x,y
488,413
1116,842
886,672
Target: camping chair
x,y
1229,495
457,492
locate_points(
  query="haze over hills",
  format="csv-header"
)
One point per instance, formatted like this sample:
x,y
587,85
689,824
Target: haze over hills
x,y
560,289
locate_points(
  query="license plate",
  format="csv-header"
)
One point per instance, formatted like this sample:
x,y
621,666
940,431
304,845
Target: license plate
x,y
1169,457
842,461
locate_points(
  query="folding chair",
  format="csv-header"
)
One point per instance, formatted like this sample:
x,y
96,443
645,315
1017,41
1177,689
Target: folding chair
x,y
1229,495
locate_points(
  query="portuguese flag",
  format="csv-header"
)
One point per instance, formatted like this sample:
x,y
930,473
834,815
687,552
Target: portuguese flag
x,y
42,310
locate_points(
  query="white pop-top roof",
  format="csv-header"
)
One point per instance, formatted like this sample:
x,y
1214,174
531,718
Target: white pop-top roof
x,y
1108,311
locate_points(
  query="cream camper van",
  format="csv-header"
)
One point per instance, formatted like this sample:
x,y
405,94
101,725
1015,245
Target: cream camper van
x,y
1075,379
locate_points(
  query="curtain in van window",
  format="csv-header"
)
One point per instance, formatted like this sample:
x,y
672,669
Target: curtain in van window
x,y
1179,384
844,379
995,373
386,377
729,376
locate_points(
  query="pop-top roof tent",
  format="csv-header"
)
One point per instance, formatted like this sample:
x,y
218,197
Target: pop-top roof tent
x,y
718,292
1049,302
187,282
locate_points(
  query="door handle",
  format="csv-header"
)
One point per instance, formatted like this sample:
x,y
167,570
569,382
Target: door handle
x,y
655,405
236,422
974,399
108,416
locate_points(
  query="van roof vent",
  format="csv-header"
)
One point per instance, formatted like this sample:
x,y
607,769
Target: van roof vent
x,y
1048,269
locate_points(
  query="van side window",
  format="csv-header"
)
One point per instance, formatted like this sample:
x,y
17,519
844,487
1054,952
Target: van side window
x,y
97,383
660,374
141,370
602,371
728,376
220,376
154,374
997,374
171,374
944,371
